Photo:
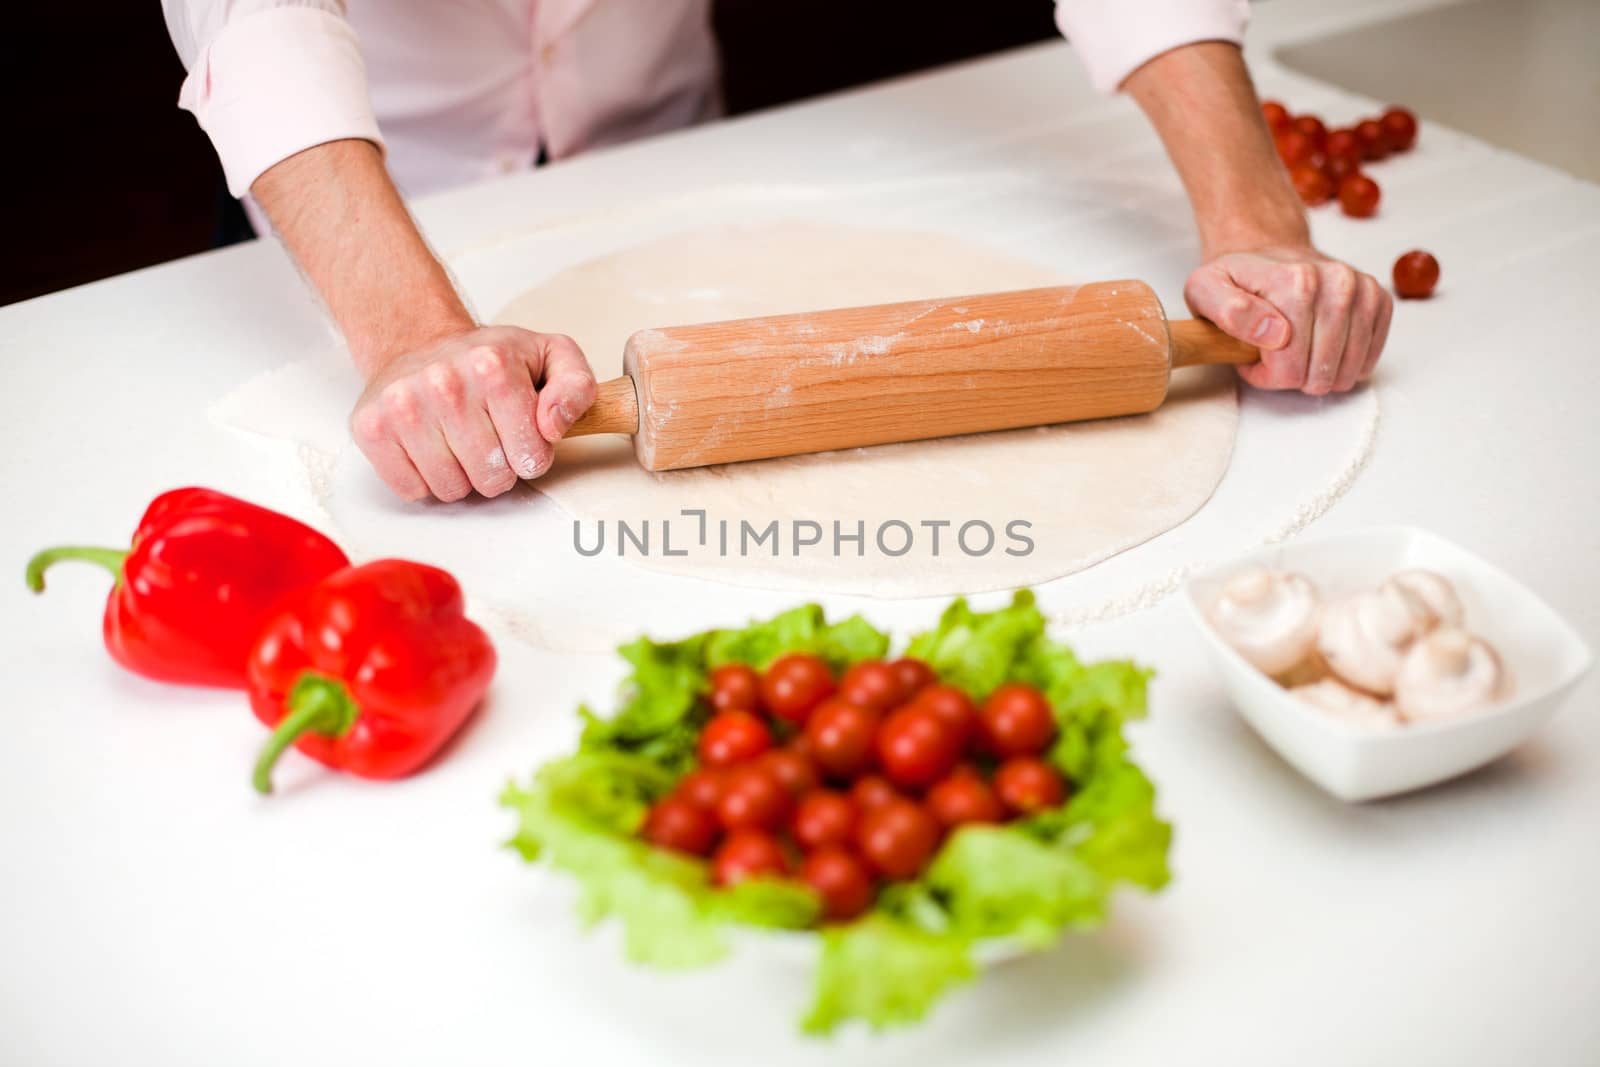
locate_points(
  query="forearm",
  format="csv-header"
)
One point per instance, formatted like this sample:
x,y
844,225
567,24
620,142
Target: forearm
x,y
1201,102
343,220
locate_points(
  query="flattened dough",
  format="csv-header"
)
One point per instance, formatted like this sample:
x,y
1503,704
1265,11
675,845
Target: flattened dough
x,y
1086,491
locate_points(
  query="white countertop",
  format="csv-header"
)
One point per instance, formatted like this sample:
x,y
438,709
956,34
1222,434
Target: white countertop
x,y
157,912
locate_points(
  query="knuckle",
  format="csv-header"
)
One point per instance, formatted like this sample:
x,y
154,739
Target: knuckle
x,y
1303,280
445,387
1341,284
489,362
367,424
400,402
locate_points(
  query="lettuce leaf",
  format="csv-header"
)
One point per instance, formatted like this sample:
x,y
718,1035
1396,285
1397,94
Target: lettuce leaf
x,y
581,815
885,972
1026,882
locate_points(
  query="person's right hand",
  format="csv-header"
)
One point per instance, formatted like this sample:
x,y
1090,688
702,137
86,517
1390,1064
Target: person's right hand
x,y
477,410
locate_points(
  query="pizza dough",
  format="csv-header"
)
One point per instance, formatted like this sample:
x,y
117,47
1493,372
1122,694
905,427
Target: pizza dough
x,y
932,517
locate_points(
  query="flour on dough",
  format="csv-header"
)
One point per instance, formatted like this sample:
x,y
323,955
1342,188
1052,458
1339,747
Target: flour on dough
x,y
1085,491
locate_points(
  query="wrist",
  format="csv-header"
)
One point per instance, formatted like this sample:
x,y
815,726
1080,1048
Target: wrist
x,y
414,325
1267,225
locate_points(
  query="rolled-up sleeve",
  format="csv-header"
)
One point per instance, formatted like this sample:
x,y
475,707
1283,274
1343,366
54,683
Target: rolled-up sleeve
x,y
1116,37
269,79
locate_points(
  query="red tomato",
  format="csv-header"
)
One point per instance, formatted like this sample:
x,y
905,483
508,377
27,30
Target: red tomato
x,y
898,838
1313,186
913,675
841,882
1313,128
953,706
702,788
1277,116
872,684
916,748
792,768
872,791
1374,143
1358,196
1415,274
962,798
733,737
1026,785
752,799
1343,142
677,824
748,854
795,684
1294,147
824,818
1016,720
1399,128
1340,167
840,735
735,686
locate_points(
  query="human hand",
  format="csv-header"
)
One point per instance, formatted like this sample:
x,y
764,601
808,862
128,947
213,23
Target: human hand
x,y
475,410
1320,324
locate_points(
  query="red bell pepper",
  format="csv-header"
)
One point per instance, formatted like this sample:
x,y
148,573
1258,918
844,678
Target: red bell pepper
x,y
370,671
201,575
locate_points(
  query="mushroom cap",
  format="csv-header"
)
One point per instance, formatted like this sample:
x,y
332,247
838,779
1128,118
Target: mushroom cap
x,y
1333,697
1269,617
1434,600
1449,672
1364,637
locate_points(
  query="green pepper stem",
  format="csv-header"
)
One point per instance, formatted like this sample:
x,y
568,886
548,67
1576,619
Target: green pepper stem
x,y
317,704
109,558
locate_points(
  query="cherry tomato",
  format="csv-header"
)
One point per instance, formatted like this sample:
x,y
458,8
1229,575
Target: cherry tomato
x,y
1358,196
792,768
840,735
733,737
913,675
752,799
872,684
872,791
953,706
677,824
1312,184
824,818
701,787
1313,128
735,687
840,880
748,854
1399,128
1343,142
1016,720
795,684
962,798
1277,116
1294,147
916,748
1340,167
1415,274
898,838
1026,784
1374,144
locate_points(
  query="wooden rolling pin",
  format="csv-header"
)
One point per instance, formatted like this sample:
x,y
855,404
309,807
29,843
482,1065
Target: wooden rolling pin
x,y
722,392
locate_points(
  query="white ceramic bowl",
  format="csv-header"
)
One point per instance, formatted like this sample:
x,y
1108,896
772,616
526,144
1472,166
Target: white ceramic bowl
x,y
1543,654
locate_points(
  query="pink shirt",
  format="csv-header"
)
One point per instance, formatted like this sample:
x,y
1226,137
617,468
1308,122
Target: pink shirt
x,y
458,90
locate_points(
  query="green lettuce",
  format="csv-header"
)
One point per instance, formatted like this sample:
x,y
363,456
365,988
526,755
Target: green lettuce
x,y
1026,882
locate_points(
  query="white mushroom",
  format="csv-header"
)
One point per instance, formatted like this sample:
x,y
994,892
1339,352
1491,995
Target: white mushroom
x,y
1434,600
1352,706
1269,617
1449,672
1364,637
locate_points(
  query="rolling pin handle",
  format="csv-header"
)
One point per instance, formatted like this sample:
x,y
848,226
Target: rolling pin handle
x,y
1196,342
615,410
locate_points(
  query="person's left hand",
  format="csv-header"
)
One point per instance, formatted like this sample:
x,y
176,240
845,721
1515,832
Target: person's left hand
x,y
1320,323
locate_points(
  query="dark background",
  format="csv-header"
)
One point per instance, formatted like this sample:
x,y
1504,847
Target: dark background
x,y
104,173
